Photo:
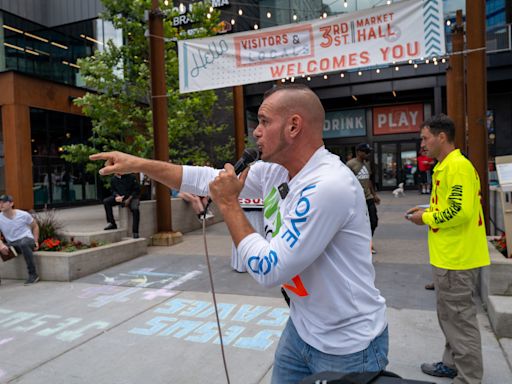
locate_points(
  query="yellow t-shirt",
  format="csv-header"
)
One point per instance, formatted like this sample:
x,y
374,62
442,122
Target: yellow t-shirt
x,y
456,236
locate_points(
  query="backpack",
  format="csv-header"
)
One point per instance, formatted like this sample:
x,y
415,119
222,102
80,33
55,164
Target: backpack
x,y
382,377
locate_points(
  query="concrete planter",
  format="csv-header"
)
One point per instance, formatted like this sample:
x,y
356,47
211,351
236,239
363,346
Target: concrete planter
x,y
67,266
496,292
183,218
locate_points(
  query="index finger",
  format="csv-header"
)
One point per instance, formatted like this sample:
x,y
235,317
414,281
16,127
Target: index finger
x,y
100,156
109,167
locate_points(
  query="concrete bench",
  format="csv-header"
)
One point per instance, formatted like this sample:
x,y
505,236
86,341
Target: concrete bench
x,y
184,218
496,292
67,266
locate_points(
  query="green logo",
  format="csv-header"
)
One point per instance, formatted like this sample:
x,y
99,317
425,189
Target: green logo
x,y
271,210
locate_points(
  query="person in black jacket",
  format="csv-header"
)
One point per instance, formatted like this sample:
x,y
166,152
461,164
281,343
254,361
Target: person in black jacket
x,y
125,192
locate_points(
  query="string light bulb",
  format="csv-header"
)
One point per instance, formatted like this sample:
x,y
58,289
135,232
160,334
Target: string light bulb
x,y
443,60
448,22
415,65
208,16
211,9
240,12
345,4
377,70
309,78
232,21
294,17
269,15
360,73
256,26
166,2
324,15
397,68
342,75
325,77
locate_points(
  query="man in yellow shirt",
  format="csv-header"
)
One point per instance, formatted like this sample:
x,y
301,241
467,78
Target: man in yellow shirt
x,y
458,249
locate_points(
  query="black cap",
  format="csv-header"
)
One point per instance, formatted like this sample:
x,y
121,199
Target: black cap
x,y
6,198
364,147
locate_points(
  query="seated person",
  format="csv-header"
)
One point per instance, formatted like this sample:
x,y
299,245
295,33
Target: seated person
x,y
125,192
20,231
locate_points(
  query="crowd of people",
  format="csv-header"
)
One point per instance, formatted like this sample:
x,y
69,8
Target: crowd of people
x,y
315,240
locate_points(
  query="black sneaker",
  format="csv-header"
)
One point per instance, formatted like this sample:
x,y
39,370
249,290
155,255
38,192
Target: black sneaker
x,y
32,280
439,370
110,226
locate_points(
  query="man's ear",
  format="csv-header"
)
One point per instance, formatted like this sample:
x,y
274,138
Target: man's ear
x,y
295,125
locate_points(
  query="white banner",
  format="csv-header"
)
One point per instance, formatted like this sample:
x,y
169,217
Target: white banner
x,y
391,33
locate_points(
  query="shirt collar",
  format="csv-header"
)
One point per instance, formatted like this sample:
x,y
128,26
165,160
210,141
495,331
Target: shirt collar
x,y
453,154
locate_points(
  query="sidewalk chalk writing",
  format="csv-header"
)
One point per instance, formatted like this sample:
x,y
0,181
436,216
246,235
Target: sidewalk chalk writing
x,y
106,295
193,321
63,329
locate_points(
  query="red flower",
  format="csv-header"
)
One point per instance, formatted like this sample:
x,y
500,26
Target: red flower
x,y
51,243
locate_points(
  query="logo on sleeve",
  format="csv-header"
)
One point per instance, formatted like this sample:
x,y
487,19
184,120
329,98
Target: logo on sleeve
x,y
271,213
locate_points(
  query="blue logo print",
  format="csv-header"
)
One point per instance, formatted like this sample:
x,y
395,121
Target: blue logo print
x,y
262,265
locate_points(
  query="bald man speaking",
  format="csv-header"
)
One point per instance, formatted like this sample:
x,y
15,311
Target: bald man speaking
x,y
317,246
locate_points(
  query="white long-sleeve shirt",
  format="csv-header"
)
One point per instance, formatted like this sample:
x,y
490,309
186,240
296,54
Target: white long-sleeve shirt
x,y
317,245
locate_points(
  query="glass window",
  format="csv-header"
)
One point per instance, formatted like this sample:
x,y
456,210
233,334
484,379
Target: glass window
x,y
56,182
2,158
51,53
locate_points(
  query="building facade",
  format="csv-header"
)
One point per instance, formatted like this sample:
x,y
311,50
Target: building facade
x,y
385,106
40,42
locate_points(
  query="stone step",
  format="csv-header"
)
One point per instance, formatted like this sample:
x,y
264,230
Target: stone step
x,y
111,236
499,309
68,266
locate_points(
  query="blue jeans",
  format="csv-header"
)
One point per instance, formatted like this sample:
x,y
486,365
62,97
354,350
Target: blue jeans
x,y
26,245
296,360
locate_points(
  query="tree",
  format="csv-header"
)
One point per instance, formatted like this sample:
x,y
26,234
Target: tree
x,y
120,109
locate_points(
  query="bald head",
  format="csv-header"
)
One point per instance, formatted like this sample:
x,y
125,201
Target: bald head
x,y
301,100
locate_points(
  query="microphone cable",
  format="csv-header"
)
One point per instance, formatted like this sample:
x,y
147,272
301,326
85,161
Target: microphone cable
x,y
203,220
249,155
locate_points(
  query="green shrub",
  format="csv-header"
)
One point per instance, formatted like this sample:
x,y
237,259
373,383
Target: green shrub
x,y
48,223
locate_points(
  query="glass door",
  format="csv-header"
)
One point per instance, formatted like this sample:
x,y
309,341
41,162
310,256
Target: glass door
x,y
408,163
388,158
396,163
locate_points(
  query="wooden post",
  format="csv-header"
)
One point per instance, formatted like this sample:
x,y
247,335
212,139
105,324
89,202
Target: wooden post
x,y
238,109
160,134
477,95
455,86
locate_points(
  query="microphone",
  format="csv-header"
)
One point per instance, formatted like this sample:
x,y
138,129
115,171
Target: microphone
x,y
249,156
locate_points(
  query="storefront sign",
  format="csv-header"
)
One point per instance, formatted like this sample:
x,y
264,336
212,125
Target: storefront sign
x,y
383,35
345,124
183,17
397,119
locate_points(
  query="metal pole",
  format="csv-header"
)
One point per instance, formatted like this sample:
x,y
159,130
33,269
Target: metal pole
x,y
477,95
455,91
238,108
159,107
